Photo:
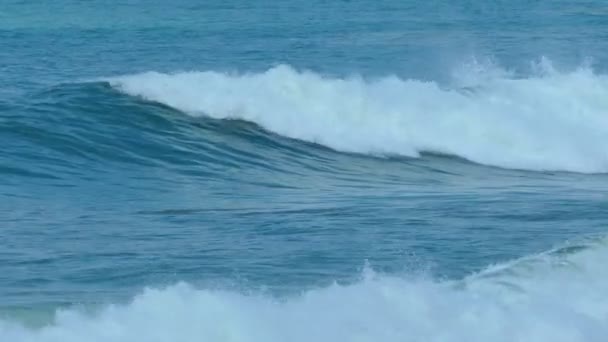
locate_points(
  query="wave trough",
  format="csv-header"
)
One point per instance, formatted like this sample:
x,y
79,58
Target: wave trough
x,y
549,121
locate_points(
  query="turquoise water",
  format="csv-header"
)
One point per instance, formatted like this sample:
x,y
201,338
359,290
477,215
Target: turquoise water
x,y
303,171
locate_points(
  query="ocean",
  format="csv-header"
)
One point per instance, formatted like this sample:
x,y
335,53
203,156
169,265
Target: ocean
x,y
296,170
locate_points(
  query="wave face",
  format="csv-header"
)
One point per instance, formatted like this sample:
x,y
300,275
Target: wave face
x,y
555,296
548,121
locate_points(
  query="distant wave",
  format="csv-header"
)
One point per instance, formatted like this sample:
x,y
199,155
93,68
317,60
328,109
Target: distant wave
x,y
555,296
548,121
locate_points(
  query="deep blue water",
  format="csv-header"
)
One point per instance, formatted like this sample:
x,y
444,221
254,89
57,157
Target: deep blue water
x,y
303,171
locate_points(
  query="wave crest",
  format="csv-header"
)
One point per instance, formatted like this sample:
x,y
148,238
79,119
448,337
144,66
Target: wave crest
x,y
550,121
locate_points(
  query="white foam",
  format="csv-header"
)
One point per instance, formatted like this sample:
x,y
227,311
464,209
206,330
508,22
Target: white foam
x,y
551,121
551,297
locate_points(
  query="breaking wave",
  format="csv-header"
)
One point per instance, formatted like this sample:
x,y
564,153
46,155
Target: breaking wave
x,y
555,296
547,121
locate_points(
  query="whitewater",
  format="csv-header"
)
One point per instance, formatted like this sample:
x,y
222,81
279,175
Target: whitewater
x,y
549,121
558,295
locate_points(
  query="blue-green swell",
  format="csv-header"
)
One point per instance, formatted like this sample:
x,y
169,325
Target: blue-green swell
x,y
106,190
